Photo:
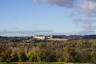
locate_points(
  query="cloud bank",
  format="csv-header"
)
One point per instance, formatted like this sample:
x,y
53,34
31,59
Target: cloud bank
x,y
25,32
66,3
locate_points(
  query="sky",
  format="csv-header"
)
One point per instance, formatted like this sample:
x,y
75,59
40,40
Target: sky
x,y
58,16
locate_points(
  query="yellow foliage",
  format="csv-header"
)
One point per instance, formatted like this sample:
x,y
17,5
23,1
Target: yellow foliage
x,y
32,53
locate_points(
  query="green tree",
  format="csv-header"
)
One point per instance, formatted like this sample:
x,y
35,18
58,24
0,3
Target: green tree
x,y
93,59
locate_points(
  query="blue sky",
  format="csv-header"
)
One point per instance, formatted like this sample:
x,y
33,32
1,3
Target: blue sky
x,y
29,15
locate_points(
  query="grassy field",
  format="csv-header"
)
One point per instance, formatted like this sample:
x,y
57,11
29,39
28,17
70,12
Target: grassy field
x,y
40,63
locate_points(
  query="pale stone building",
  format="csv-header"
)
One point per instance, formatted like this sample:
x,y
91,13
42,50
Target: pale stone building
x,y
39,37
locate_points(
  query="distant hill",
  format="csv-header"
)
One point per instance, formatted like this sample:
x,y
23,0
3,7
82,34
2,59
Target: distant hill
x,y
24,39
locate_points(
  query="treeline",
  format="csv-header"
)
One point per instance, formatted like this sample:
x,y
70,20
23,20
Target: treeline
x,y
57,51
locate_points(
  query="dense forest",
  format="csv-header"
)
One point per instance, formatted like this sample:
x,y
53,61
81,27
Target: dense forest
x,y
54,51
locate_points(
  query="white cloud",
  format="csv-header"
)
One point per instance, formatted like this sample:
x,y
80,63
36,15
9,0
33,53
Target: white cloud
x,y
88,7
